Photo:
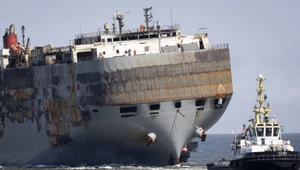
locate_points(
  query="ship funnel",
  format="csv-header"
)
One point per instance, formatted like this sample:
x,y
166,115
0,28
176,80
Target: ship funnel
x,y
150,138
12,29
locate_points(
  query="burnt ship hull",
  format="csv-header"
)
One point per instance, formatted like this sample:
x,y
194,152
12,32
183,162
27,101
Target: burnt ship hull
x,y
99,111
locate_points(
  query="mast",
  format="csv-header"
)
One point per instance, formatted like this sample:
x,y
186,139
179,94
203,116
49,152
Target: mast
x,y
261,109
148,17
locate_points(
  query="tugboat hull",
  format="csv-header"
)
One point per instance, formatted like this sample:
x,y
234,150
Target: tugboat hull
x,y
260,161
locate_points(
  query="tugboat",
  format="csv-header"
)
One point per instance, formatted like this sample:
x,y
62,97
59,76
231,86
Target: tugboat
x,y
260,145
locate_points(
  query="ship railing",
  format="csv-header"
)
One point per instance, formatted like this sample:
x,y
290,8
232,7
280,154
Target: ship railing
x,y
125,31
202,30
166,27
86,35
219,46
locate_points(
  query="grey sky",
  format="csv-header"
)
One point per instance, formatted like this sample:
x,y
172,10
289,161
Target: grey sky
x,y
264,37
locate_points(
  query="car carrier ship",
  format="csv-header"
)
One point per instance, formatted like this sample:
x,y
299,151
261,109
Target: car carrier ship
x,y
114,96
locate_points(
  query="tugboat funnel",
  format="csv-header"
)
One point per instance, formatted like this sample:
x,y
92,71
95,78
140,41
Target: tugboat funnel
x,y
150,138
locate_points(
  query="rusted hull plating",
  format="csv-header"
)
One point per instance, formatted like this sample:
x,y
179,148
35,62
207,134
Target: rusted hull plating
x,y
64,114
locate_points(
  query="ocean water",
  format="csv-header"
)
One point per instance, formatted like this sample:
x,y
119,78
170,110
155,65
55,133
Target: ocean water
x,y
216,147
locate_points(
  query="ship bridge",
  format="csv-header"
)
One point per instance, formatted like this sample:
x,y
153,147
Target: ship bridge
x,y
127,35
265,130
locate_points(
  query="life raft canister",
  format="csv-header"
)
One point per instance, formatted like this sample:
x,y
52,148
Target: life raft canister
x,y
142,27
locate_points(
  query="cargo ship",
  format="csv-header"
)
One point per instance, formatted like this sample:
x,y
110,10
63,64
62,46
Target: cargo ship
x,y
114,96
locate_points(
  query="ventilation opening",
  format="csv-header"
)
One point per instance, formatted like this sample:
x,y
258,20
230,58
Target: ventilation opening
x,y
177,105
199,102
128,109
155,107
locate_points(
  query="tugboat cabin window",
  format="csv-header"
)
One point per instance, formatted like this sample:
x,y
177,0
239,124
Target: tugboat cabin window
x,y
252,132
275,132
268,131
260,131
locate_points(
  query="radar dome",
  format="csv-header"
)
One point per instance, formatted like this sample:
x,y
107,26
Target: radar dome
x,y
106,26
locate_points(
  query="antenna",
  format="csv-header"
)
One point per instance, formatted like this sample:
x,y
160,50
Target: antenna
x,y
171,13
80,27
23,35
120,17
84,27
113,23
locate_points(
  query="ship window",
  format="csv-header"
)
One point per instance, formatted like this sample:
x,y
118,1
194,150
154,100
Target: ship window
x,y
128,109
108,39
143,37
275,132
117,51
103,40
133,38
199,102
260,131
103,52
116,39
153,35
155,107
268,131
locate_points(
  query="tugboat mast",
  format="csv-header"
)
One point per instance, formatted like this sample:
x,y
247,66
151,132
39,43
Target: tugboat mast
x,y
261,110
